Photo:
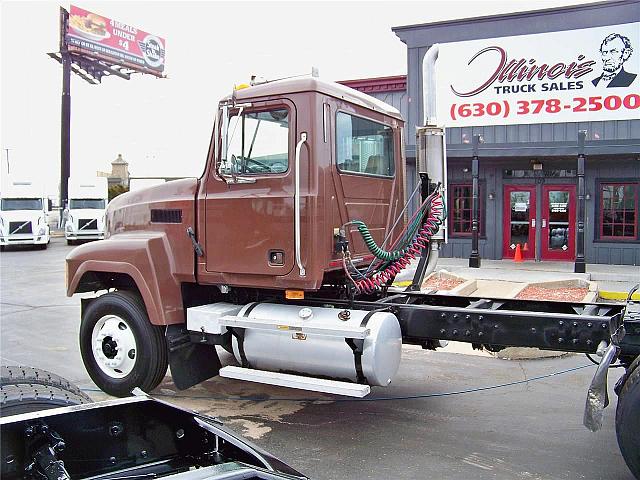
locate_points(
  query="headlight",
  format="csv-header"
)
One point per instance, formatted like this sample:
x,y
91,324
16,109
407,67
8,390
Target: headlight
x,y
42,231
70,218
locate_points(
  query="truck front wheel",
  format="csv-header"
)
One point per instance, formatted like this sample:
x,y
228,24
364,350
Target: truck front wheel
x,y
628,419
120,348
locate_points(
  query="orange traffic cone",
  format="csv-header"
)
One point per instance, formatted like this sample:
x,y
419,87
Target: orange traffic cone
x,y
526,247
518,256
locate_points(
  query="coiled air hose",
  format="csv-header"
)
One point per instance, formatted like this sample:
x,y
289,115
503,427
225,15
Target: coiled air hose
x,y
410,245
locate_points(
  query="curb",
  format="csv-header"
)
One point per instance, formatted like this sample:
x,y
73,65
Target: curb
x,y
621,296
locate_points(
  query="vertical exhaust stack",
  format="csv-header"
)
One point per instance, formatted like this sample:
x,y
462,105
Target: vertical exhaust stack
x,y
431,144
431,161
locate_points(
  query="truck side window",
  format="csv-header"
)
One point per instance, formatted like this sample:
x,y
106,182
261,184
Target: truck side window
x,y
259,142
364,146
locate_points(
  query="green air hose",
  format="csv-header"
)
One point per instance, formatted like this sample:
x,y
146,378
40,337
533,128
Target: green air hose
x,y
380,253
403,244
371,243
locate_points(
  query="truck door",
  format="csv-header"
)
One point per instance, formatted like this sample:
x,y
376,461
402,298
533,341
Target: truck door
x,y
250,216
366,180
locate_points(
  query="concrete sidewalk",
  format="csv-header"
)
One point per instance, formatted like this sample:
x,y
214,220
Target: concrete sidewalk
x,y
610,278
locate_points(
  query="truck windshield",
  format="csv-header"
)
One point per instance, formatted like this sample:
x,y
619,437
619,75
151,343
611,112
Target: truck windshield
x,y
9,204
86,203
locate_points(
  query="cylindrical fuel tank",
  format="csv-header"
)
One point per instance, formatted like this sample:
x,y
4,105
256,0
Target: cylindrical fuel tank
x,y
284,350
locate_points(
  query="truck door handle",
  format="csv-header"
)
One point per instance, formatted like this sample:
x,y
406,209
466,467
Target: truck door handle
x,y
544,223
533,223
296,200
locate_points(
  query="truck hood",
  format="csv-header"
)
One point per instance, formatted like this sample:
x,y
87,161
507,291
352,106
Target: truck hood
x,y
132,211
87,213
23,216
15,215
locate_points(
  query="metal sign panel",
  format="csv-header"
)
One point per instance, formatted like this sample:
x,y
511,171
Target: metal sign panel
x,y
113,41
581,75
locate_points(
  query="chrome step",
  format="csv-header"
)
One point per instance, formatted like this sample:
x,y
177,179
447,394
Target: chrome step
x,y
296,381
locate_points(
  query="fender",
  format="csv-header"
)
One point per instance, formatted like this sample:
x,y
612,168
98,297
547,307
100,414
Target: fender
x,y
146,258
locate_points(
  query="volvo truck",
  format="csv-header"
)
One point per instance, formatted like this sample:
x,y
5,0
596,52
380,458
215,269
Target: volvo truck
x,y
23,214
85,214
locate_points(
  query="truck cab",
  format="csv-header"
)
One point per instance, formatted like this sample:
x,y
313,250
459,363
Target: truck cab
x,y
23,214
291,163
85,214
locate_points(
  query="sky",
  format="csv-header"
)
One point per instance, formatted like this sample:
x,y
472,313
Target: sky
x,y
162,127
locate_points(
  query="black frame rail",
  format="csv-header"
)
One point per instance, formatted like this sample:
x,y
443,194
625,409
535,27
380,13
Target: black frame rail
x,y
561,326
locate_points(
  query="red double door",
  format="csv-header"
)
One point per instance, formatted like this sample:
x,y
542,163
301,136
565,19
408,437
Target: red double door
x,y
555,224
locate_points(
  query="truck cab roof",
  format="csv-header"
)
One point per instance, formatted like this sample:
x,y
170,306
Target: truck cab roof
x,y
312,84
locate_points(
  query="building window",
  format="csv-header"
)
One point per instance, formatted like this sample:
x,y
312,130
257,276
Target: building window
x,y
619,211
461,211
364,146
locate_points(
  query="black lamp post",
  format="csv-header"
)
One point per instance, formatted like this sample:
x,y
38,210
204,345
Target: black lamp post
x,y
474,259
580,265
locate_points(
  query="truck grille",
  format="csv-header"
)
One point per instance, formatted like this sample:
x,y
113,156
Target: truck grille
x,y
87,224
20,228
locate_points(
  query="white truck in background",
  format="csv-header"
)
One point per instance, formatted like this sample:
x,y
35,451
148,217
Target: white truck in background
x,y
85,213
23,214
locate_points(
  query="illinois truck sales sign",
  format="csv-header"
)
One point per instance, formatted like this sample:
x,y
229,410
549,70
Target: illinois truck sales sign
x,y
572,76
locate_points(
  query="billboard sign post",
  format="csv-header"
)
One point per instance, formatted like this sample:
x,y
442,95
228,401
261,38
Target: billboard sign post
x,y
93,46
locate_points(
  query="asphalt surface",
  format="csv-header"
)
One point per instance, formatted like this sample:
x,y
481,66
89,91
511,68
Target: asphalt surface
x,y
531,430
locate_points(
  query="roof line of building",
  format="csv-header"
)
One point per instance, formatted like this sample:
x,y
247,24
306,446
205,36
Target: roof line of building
x,y
525,13
395,83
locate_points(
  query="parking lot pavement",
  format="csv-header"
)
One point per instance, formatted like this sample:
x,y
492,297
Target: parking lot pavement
x,y
530,430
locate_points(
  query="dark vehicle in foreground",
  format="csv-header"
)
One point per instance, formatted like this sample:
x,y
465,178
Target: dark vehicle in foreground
x,y
131,438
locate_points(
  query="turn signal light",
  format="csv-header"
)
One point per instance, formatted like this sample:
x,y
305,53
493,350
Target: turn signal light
x,y
294,294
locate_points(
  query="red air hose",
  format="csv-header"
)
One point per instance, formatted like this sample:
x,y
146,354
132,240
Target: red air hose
x,y
421,241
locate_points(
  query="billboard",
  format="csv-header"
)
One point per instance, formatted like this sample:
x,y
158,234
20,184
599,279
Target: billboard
x,y
581,75
113,41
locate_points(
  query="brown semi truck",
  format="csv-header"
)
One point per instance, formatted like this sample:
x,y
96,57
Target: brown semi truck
x,y
284,252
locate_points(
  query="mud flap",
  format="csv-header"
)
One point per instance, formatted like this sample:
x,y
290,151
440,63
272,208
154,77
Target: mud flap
x,y
190,363
598,396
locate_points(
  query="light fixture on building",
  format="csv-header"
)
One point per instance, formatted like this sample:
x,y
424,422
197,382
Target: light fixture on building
x,y
492,196
465,170
587,196
536,165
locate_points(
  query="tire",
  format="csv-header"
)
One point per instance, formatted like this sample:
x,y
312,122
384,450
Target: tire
x,y
120,348
19,398
2,248
42,247
13,375
69,242
628,419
